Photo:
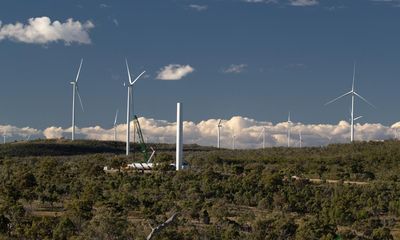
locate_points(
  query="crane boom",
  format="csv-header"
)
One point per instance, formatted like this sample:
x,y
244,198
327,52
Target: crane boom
x,y
143,146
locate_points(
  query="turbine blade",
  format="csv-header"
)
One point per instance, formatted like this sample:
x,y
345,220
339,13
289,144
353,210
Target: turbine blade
x,y
355,119
260,135
365,100
80,99
354,76
116,117
138,77
129,72
79,71
219,122
334,100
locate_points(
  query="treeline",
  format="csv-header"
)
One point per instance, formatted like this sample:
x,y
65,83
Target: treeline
x,y
242,194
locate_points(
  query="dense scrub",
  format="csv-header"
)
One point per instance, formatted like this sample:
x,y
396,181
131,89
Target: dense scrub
x,y
58,190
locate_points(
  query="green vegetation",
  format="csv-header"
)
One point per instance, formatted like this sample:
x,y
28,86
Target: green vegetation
x,y
58,190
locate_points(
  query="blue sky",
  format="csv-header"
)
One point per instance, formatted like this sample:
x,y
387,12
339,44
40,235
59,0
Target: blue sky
x,y
253,59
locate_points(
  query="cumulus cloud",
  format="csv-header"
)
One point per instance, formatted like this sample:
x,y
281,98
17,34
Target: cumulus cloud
x,y
247,131
53,132
42,30
174,72
303,3
198,7
24,132
235,68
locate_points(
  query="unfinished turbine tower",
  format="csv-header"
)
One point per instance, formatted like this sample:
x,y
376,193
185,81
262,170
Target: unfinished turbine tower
x,y
75,90
179,137
353,94
300,139
289,123
219,126
129,102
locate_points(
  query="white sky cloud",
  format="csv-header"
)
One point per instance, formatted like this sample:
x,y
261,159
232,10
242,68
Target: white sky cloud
x,y
235,68
174,72
198,7
303,3
247,132
24,132
53,132
42,30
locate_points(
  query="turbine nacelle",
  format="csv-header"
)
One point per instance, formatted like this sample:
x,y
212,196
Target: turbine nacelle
x,y
219,125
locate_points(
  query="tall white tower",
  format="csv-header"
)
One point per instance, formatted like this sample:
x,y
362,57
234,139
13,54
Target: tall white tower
x,y
179,137
219,126
289,122
129,102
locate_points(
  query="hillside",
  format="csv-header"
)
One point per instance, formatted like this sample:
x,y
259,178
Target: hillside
x,y
58,190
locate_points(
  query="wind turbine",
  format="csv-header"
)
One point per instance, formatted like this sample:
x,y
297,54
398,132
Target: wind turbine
x,y
300,139
4,137
263,137
353,94
288,130
219,126
128,106
75,90
115,126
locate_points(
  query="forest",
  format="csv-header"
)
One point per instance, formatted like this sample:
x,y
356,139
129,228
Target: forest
x,y
57,189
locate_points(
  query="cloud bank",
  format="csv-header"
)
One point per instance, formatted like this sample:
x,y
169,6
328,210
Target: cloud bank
x,y
24,132
42,30
248,132
174,72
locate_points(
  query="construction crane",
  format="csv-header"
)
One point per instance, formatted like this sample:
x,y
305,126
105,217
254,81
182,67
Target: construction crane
x,y
142,144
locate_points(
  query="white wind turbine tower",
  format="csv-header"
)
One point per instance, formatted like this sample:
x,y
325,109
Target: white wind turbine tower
x,y
115,125
4,137
288,130
219,126
262,134
75,90
353,94
300,139
128,106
